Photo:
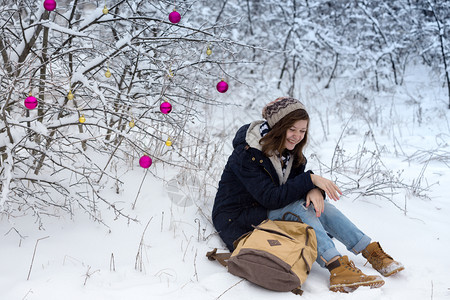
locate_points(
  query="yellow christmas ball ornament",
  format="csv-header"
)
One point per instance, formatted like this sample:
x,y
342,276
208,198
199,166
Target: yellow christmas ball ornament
x,y
105,10
107,74
70,95
208,51
82,119
131,123
168,142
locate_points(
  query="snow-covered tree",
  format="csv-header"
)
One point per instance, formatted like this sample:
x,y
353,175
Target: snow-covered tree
x,y
99,75
367,42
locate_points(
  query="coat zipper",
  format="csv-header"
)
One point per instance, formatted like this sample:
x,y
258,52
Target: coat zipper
x,y
274,232
269,174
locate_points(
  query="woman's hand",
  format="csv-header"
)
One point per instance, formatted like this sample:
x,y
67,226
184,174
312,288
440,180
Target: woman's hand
x,y
328,186
316,197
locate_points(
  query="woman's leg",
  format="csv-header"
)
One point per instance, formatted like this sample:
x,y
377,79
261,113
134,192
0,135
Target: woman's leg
x,y
340,227
326,249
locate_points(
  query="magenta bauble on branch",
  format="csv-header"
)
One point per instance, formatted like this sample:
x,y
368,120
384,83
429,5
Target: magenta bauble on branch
x,y
31,102
222,86
50,5
165,107
145,161
174,17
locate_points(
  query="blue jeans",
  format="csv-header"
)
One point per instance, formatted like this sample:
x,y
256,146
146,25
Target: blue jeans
x,y
332,221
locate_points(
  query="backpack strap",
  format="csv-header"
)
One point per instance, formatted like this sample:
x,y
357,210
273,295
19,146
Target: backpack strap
x,y
291,213
220,257
297,291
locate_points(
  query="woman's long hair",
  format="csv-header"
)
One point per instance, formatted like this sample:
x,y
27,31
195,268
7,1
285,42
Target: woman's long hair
x,y
274,141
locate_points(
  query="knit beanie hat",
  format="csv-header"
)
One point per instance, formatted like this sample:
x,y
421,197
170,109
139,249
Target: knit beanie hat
x,y
278,109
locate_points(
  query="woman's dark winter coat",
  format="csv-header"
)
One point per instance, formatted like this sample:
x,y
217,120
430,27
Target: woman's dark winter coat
x,y
249,187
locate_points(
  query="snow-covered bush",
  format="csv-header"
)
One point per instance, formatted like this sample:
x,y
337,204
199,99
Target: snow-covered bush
x,y
99,75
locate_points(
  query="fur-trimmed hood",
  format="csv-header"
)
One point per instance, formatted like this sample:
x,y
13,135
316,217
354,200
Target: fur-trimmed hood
x,y
251,137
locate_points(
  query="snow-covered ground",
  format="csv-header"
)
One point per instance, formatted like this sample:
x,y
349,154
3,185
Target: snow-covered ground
x,y
163,256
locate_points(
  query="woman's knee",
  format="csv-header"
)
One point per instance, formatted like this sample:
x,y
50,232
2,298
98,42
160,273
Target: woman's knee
x,y
278,214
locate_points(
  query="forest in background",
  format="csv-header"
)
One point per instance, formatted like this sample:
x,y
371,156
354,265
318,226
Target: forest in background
x,y
61,57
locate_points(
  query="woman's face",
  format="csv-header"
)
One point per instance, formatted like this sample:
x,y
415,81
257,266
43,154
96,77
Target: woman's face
x,y
295,134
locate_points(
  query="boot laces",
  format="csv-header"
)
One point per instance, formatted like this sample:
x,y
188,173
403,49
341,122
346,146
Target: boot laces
x,y
352,266
379,253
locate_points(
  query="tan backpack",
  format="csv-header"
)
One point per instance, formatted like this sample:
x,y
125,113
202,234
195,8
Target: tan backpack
x,y
277,255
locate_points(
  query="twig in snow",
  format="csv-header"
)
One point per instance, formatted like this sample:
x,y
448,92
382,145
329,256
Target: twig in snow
x,y
88,275
138,265
34,253
26,295
21,236
195,266
112,263
230,288
139,191
432,289
198,234
187,246
417,187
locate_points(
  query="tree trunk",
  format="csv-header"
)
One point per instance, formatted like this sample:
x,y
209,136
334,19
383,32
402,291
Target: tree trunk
x,y
441,40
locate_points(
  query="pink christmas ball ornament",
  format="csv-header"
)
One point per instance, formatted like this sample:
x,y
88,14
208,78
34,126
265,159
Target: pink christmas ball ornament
x,y
222,87
165,107
174,17
50,5
31,102
145,161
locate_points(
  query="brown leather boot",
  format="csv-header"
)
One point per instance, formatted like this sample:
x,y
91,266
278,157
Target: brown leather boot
x,y
347,278
380,261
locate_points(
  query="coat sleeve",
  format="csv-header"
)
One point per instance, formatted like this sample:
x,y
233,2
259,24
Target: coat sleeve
x,y
264,188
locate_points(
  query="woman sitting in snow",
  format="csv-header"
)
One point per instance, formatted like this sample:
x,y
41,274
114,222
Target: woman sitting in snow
x,y
265,178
